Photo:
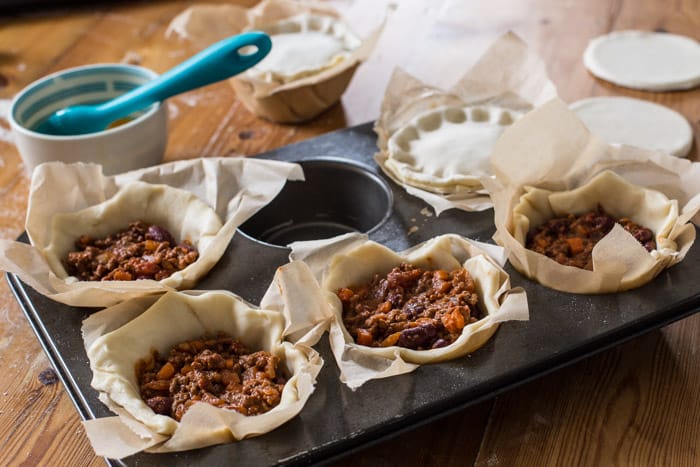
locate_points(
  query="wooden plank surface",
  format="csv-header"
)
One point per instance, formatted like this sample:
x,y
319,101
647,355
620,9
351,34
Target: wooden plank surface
x,y
638,404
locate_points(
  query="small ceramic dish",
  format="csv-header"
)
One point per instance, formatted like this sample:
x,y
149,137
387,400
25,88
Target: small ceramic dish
x,y
136,142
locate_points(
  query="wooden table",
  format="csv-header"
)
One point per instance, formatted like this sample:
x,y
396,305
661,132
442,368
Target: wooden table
x,y
637,404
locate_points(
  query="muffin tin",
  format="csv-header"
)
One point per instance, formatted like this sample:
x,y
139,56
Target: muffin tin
x,y
336,197
347,188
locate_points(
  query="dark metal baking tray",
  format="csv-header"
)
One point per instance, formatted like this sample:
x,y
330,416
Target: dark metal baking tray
x,y
563,328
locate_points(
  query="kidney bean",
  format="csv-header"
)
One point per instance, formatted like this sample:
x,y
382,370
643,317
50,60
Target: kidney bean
x,y
417,337
440,343
159,234
413,308
160,404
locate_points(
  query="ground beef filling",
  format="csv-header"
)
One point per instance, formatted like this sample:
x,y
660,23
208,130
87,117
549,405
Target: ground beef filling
x,y
219,371
141,251
410,307
570,239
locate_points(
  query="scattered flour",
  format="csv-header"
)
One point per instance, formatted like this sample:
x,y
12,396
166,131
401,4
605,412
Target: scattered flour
x,y
176,53
132,58
173,110
6,317
5,133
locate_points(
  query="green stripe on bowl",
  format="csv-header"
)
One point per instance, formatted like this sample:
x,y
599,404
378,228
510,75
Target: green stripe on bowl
x,y
124,85
109,71
39,87
59,96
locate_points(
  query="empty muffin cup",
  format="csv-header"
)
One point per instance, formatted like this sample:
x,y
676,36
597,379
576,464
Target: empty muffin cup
x,y
336,198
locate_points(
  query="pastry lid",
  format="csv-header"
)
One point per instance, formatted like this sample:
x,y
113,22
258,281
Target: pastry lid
x,y
447,150
507,81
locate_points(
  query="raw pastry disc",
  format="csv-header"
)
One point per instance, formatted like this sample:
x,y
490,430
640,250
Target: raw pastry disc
x,y
635,122
645,60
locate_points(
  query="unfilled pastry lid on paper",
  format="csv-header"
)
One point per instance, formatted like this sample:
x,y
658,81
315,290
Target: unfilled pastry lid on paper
x,y
447,149
652,61
509,79
636,122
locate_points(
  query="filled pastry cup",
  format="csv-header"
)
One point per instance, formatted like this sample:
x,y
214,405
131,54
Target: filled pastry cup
x,y
135,233
172,319
446,150
497,302
179,212
620,262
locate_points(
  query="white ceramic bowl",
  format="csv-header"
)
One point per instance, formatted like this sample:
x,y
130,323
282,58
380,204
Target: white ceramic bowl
x,y
135,144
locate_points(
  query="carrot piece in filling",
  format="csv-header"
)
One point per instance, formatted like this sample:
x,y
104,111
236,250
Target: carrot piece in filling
x,y
575,244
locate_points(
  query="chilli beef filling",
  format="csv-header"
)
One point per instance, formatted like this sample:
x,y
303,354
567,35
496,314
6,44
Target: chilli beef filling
x,y
141,251
219,371
411,307
569,239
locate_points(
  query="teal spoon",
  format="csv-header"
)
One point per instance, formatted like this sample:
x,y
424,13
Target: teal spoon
x,y
215,63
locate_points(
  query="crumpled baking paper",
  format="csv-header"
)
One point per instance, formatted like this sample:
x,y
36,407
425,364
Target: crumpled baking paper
x,y
136,326
551,149
508,75
355,259
235,188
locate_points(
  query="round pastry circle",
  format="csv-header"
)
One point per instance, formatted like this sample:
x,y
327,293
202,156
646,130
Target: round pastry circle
x,y
447,150
360,264
177,317
302,46
178,211
645,60
636,122
633,265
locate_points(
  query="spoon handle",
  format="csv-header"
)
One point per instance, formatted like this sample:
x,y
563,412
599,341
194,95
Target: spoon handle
x,y
215,63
